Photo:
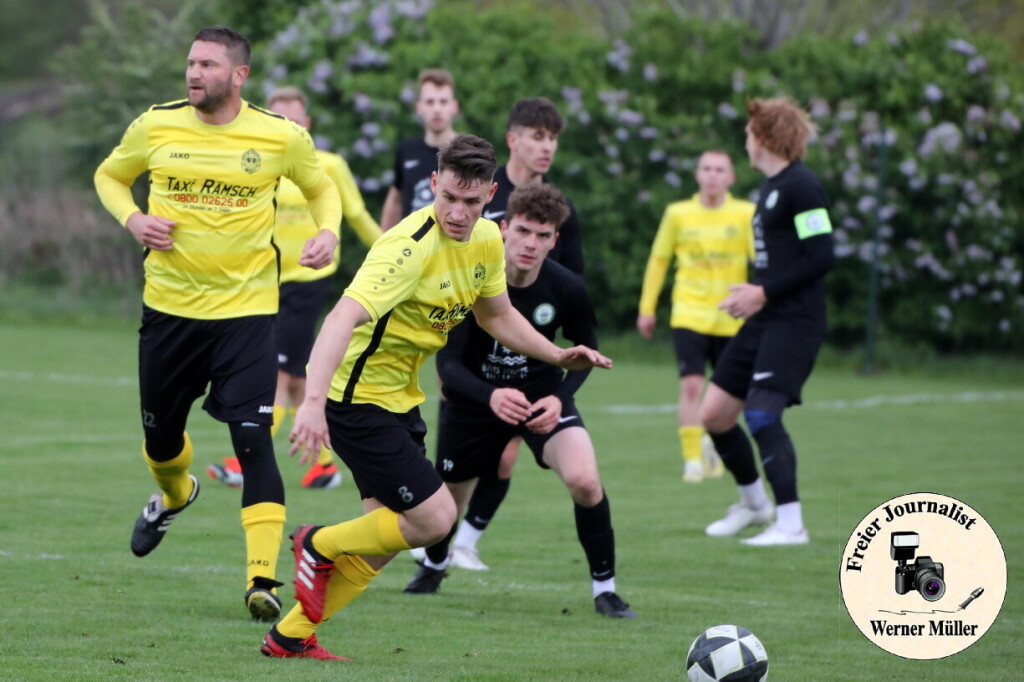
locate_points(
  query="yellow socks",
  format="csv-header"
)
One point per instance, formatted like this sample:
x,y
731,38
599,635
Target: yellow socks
x,y
264,525
172,476
373,534
279,412
347,583
325,458
689,442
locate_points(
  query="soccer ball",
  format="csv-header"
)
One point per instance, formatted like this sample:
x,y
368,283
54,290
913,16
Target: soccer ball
x,y
727,653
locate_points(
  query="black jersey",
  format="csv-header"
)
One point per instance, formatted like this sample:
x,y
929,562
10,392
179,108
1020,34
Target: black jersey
x,y
568,249
414,161
472,363
793,246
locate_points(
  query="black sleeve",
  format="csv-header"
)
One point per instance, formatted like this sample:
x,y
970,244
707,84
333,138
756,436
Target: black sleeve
x,y
816,254
571,241
457,380
816,257
579,328
399,168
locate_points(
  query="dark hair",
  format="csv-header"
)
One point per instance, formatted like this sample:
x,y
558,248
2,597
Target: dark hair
x,y
536,112
238,46
539,201
781,126
469,157
438,77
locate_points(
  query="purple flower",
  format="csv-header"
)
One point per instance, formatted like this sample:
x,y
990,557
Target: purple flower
x,y
363,103
650,72
945,136
369,184
726,110
648,133
630,117
1008,120
615,168
619,57
321,142
370,129
961,46
366,57
739,80
380,23
932,93
363,148
976,65
860,38
656,155
411,9
408,94
672,180
574,96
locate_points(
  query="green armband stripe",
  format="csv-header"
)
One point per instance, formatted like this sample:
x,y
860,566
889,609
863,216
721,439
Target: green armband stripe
x,y
812,223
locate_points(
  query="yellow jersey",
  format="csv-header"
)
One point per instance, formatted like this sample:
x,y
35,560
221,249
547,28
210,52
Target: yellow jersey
x,y
712,248
218,183
295,224
417,284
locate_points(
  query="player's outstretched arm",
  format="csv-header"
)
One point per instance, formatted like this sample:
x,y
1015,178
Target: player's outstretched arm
x,y
310,430
497,317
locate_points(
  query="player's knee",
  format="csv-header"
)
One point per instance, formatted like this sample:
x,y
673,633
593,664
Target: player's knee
x,y
585,489
758,419
691,389
715,421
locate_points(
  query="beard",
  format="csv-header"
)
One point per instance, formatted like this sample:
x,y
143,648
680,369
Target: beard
x,y
214,97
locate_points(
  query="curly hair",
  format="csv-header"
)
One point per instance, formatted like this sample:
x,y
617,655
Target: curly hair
x,y
781,126
539,201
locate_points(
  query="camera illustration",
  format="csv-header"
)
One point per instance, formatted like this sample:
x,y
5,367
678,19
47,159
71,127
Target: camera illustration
x,y
923,575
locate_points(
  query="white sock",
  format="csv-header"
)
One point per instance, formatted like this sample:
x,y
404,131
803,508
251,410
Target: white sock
x,y
602,586
789,517
438,567
753,495
467,535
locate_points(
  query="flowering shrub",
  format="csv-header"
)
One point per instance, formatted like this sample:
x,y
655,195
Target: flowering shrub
x,y
942,110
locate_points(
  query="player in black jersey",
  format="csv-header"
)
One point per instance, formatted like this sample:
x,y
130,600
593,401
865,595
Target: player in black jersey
x,y
495,394
534,125
416,157
763,368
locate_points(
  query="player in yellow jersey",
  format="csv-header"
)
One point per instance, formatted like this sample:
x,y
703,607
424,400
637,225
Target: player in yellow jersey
x,y
211,292
362,395
303,291
710,237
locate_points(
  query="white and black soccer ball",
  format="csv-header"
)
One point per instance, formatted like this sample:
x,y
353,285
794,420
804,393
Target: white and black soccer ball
x,y
727,653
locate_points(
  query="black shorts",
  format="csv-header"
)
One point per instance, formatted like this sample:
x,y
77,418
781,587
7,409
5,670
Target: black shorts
x,y
776,356
301,306
694,349
179,356
471,438
384,451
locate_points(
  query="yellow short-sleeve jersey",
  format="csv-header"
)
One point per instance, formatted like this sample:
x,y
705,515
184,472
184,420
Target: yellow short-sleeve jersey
x,y
712,248
295,224
417,284
218,184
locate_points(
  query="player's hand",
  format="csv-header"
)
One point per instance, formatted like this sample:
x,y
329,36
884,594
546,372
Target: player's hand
x,y
318,252
546,413
645,325
510,405
581,357
151,231
744,301
309,433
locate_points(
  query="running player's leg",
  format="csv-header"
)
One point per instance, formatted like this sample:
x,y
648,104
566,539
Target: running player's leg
x,y
490,492
691,350
173,370
569,452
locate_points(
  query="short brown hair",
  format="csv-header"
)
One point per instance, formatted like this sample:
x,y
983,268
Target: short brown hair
x,y
238,46
539,201
536,112
288,93
469,157
439,77
781,126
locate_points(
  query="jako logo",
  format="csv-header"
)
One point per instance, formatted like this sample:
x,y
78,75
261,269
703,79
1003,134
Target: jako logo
x,y
266,409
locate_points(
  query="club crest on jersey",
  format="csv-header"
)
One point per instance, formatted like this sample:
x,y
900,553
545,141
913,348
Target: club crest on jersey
x,y
251,161
772,199
544,313
479,273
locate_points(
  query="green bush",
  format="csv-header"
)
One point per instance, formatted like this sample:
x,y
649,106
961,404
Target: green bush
x,y
640,109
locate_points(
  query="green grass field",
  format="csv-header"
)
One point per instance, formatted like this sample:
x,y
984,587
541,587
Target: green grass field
x,y
78,605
